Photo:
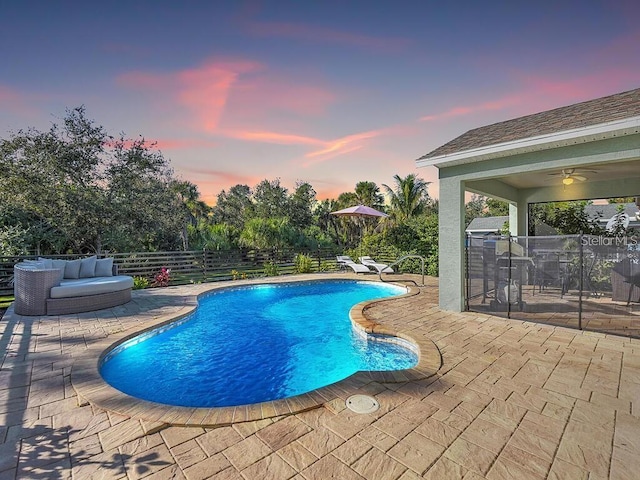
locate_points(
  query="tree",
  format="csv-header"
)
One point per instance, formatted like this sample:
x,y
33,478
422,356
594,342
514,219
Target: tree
x,y
409,197
193,209
474,208
497,208
568,218
270,199
264,233
234,208
300,205
92,190
368,193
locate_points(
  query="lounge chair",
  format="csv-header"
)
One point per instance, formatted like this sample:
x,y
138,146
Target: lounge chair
x,y
346,261
378,267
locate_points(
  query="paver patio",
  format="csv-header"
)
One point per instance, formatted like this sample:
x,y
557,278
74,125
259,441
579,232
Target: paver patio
x,y
512,400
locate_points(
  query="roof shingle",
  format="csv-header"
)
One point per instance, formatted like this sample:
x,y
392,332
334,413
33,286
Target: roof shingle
x,y
592,112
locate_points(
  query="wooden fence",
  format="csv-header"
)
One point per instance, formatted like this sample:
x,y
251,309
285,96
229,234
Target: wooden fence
x,y
194,266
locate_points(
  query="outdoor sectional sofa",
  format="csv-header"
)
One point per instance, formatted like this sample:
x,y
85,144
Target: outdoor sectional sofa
x,y
56,287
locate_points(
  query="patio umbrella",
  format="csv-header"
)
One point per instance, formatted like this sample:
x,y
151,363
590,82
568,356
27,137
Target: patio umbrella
x,y
359,211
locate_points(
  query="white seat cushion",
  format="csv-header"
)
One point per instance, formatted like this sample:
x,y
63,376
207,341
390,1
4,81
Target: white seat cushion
x,y
82,287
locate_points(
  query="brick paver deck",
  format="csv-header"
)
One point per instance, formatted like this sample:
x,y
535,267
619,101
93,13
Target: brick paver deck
x,y
512,400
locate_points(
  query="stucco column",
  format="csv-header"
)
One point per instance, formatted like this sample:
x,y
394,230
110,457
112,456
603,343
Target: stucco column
x,y
515,217
451,244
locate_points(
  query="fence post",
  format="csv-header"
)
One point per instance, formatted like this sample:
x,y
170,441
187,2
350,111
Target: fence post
x,y
468,257
581,270
509,279
204,264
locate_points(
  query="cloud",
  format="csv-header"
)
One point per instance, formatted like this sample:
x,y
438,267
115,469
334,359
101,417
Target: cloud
x,y
259,97
550,92
18,102
216,177
183,143
239,90
339,146
498,104
9,95
272,137
316,34
538,93
351,143
201,91
167,143
327,148
205,90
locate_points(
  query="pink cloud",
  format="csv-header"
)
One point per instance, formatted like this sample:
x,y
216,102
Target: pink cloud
x,y
259,96
315,34
202,91
272,137
209,176
211,182
205,90
539,93
340,146
327,149
174,144
549,92
498,104
9,95
18,102
236,89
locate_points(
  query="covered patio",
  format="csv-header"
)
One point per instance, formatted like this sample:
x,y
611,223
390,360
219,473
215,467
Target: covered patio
x,y
533,159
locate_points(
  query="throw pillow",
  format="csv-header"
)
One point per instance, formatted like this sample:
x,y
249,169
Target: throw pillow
x,y
48,263
104,267
72,268
60,264
32,265
88,267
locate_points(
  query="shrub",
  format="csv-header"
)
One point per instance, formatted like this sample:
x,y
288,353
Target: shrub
x,y
324,266
236,275
271,269
162,279
303,263
140,282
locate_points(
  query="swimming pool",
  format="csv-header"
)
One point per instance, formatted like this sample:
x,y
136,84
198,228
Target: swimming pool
x,y
252,344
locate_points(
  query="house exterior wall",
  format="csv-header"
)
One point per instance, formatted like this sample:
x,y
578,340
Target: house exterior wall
x,y
451,244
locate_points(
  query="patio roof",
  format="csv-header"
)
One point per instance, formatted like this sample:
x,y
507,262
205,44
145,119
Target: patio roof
x,y
592,120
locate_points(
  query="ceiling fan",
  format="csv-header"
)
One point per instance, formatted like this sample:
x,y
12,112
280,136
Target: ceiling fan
x,y
569,175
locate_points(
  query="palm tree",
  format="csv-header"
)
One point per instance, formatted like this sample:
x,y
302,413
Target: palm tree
x,y
193,209
409,198
368,193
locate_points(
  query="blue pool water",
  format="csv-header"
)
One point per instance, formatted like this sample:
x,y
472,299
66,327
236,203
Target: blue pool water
x,y
253,344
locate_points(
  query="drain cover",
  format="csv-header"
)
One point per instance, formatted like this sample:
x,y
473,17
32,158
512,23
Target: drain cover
x,y
362,404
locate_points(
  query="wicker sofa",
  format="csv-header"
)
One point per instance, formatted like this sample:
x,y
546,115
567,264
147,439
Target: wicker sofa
x,y
57,287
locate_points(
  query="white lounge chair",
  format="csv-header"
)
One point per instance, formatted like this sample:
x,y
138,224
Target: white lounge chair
x,y
346,261
378,267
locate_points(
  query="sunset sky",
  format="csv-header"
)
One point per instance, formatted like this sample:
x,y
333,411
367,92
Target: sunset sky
x,y
329,92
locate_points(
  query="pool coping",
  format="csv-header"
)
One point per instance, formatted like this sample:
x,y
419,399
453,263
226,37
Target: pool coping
x,y
90,386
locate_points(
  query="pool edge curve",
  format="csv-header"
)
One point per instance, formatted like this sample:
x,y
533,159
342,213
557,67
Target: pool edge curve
x,y
92,388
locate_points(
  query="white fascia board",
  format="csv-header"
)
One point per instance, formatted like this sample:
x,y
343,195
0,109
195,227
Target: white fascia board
x,y
591,133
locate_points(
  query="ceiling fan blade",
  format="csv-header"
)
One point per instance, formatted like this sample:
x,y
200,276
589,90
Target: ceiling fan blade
x,y
579,177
